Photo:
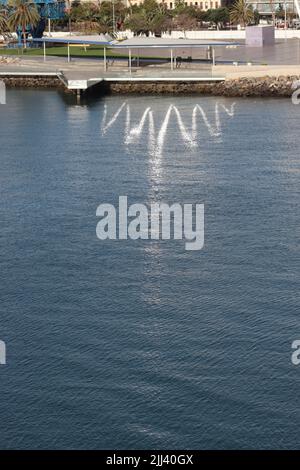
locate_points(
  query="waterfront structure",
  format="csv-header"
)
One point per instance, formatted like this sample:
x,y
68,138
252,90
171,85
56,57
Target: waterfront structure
x,y
173,52
137,44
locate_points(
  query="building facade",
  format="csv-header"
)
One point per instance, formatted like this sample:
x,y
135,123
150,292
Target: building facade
x,y
203,5
170,4
265,7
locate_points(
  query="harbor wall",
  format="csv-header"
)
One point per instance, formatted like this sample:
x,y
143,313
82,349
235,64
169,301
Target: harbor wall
x,y
242,87
32,81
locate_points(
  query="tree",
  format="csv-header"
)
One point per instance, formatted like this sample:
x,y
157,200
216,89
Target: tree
x,y
228,3
3,21
256,16
151,6
85,16
184,22
241,13
90,17
280,13
105,20
218,16
200,15
137,23
149,17
180,7
24,15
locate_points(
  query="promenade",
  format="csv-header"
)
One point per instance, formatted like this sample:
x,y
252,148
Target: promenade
x,y
89,68
232,63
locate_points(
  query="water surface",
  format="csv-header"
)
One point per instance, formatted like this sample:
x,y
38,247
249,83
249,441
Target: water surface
x,y
141,344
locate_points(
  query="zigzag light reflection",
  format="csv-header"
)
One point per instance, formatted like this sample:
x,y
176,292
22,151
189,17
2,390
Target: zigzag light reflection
x,y
156,139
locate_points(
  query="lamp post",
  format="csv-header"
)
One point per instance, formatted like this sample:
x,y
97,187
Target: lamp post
x,y
285,20
49,20
114,16
68,10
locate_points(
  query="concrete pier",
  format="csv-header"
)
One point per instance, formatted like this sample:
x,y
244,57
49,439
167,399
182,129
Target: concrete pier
x,y
82,75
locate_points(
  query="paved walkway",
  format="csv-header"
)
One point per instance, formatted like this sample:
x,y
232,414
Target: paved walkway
x,y
93,70
281,59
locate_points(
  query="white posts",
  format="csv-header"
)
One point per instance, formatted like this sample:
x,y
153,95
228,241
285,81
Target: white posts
x,y
213,56
69,56
44,51
208,52
104,59
129,57
172,65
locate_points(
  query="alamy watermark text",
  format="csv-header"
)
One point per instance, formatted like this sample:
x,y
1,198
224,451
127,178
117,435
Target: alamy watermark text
x,y
159,221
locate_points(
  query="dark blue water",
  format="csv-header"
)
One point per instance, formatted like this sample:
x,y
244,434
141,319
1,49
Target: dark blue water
x,y
141,344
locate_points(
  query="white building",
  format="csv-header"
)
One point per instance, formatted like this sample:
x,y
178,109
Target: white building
x,y
203,5
264,7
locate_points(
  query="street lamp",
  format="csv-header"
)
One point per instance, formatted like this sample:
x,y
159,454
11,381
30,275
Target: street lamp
x,y
49,21
114,16
285,20
68,10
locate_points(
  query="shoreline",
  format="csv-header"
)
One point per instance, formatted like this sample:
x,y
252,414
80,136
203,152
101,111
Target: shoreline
x,y
266,86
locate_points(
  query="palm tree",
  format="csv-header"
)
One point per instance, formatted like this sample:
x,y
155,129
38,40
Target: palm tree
x,y
3,21
241,13
24,14
148,17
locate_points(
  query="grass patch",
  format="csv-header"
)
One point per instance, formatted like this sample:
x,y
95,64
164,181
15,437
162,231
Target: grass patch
x,y
59,51
62,51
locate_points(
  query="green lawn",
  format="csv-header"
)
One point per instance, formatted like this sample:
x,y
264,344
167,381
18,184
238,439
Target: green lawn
x,y
61,51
